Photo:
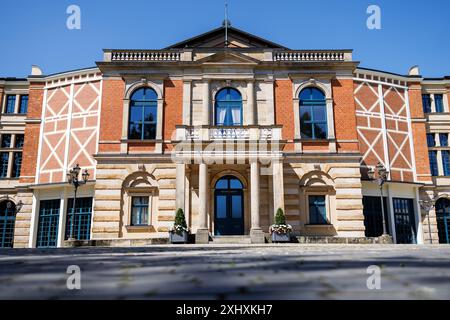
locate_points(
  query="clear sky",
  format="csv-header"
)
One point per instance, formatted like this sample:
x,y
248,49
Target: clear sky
x,y
413,32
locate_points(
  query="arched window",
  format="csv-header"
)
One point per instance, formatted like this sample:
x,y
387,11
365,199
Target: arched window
x,y
7,222
143,114
228,107
313,114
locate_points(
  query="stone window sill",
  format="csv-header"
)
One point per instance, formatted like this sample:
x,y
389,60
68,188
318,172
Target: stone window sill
x,y
140,229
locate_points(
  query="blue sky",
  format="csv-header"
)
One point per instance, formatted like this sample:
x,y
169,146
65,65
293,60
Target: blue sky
x,y
413,32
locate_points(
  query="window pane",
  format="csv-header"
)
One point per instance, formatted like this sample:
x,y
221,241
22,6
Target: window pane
x,y
320,131
135,114
19,141
6,140
446,163
139,211
433,163
319,113
10,103
150,114
23,108
135,131
306,130
438,99
236,206
150,131
430,140
221,204
235,184
317,210
17,164
426,101
443,138
4,159
222,184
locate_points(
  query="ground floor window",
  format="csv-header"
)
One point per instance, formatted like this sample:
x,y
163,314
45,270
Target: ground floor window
x,y
443,220
139,211
405,223
47,235
373,220
81,219
7,222
317,210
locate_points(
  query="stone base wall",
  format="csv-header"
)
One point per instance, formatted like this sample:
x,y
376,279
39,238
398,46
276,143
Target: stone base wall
x,y
23,220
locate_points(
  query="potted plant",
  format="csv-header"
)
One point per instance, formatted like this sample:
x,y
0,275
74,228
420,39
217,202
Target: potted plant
x,y
280,231
179,232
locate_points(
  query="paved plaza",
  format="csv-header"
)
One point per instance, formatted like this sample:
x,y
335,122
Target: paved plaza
x,y
228,272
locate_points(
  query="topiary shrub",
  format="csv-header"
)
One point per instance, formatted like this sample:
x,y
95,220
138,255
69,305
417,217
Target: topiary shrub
x,y
280,218
180,224
280,226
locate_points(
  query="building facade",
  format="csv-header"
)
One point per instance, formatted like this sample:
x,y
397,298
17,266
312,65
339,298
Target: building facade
x,y
229,129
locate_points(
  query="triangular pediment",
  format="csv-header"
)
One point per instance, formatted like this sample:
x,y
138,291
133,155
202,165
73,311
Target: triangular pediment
x,y
228,57
216,39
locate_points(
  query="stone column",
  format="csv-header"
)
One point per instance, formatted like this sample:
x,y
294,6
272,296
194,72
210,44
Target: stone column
x,y
278,186
251,103
206,108
180,187
256,234
202,235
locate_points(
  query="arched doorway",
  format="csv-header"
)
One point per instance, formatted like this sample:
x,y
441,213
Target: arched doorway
x,y
7,222
229,207
443,220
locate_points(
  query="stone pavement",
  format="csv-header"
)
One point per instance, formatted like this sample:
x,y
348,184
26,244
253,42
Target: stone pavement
x,y
228,272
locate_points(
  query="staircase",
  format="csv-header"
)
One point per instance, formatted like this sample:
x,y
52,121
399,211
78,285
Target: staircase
x,y
231,240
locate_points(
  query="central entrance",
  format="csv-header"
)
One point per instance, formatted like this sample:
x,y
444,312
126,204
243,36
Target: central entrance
x,y
229,207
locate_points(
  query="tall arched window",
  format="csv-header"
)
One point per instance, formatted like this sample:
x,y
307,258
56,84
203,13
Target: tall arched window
x,y
7,222
313,114
143,114
228,107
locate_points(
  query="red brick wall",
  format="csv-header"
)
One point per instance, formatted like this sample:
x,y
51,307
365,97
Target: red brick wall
x,y
111,115
32,131
173,107
345,114
419,132
283,110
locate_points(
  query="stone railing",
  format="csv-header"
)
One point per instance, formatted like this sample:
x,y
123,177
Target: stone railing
x,y
218,133
142,55
311,56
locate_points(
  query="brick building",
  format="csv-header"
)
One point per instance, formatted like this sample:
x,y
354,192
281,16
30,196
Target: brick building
x,y
228,129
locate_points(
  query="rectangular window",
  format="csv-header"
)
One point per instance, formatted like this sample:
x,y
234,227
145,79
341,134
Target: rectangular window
x,y
139,211
4,161
405,224
426,102
446,162
317,210
23,106
439,102
430,140
313,122
433,163
47,233
19,141
443,138
6,141
82,221
10,103
17,164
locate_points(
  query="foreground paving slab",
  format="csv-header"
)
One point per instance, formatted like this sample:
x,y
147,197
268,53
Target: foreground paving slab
x,y
267,272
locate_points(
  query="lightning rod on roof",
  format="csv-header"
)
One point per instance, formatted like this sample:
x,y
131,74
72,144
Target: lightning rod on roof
x,y
226,23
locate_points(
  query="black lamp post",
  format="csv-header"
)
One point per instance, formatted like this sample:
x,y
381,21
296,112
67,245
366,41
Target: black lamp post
x,y
73,178
380,178
428,205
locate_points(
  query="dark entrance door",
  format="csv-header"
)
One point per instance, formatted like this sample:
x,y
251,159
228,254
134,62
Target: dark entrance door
x,y
229,207
7,222
443,220
405,223
373,221
47,234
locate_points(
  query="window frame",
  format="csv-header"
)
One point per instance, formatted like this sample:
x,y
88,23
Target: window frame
x,y
311,104
434,169
426,108
21,99
7,104
228,104
325,206
143,104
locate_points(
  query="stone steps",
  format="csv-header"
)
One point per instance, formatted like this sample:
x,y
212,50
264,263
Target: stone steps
x,y
231,240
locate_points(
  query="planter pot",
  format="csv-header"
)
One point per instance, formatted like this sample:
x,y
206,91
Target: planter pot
x,y
281,237
179,238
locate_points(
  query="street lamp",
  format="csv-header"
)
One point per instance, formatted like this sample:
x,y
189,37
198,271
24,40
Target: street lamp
x,y
428,205
17,208
73,178
380,178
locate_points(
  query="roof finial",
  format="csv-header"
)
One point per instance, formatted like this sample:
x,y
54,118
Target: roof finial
x,y
226,23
